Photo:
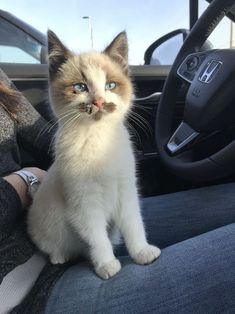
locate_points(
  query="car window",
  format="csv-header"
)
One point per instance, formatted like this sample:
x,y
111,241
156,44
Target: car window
x,y
16,46
223,35
144,21
84,25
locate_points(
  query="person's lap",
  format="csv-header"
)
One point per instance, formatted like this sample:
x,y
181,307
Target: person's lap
x,y
195,275
179,216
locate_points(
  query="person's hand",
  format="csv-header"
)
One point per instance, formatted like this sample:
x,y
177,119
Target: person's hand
x,y
21,187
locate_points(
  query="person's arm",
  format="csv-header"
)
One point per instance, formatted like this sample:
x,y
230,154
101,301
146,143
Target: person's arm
x,y
13,198
10,208
21,187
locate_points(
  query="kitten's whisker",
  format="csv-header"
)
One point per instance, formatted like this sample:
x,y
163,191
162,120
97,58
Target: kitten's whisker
x,y
47,128
139,124
67,114
134,132
73,119
64,116
59,118
136,122
140,117
51,143
52,126
69,122
142,121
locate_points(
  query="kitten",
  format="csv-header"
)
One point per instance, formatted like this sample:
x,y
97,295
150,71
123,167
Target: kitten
x,y
90,193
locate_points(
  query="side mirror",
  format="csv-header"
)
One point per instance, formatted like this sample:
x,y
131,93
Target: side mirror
x,y
43,55
164,50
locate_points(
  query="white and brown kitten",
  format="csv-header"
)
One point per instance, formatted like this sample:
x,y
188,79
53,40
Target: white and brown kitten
x,y
90,194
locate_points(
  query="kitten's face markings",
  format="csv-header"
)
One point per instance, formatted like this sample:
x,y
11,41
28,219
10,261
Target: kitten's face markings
x,y
95,85
98,106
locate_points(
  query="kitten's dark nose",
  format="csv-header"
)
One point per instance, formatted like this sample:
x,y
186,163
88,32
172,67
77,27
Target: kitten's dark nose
x,y
98,102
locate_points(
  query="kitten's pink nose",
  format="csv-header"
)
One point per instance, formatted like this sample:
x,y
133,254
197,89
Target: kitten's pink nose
x,y
99,102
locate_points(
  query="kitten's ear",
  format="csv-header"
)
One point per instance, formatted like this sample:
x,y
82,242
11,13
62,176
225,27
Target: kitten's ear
x,y
57,53
118,50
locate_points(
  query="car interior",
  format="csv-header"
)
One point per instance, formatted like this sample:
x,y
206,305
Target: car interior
x,y
164,105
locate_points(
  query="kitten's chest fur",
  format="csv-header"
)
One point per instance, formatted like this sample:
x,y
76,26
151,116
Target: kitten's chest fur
x,y
95,152
94,162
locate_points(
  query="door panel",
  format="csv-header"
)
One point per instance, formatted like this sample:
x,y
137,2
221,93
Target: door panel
x,y
32,81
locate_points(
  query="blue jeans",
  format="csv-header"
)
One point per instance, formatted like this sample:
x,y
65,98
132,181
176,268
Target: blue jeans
x,y
194,274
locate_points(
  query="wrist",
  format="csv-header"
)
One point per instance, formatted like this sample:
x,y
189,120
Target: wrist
x,y
31,180
20,187
22,184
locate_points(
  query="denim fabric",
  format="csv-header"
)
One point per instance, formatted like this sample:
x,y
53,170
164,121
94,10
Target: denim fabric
x,y
179,216
194,274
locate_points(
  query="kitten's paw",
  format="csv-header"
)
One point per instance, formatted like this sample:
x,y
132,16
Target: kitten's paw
x,y
147,255
108,270
57,259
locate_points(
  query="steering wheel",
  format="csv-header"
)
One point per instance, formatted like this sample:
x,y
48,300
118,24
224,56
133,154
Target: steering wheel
x,y
210,76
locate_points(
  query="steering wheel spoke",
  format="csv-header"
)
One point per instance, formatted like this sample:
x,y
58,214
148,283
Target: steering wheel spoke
x,y
182,139
191,64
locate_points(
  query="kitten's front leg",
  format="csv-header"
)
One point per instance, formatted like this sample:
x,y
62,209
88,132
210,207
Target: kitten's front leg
x,y
131,225
91,226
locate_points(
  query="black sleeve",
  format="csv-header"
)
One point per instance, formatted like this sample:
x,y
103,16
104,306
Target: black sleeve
x,y
37,141
15,245
10,208
33,127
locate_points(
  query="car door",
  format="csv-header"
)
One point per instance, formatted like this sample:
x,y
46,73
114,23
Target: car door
x,y
22,58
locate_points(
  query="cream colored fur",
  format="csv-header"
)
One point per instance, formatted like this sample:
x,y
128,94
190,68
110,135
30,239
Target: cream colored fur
x,y
90,192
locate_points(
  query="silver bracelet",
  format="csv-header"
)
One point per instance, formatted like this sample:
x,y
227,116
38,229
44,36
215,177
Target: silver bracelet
x,y
30,179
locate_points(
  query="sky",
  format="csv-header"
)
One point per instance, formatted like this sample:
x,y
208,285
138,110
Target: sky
x,y
144,21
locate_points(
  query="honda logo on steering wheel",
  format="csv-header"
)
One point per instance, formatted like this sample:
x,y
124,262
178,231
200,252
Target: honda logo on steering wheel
x,y
209,71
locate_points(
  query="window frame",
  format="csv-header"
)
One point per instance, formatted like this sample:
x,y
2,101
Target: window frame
x,y
27,30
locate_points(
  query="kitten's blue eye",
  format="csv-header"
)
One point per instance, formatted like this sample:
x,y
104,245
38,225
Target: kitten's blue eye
x,y
80,87
110,85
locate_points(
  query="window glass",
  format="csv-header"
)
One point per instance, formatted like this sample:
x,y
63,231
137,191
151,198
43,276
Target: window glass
x,y
165,53
83,25
17,46
223,35
15,55
144,21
